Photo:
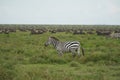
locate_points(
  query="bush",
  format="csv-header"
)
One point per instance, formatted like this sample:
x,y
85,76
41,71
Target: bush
x,y
74,64
90,64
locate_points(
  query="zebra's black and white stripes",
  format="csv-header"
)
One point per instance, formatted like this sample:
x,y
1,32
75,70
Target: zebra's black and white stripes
x,y
73,44
115,35
69,46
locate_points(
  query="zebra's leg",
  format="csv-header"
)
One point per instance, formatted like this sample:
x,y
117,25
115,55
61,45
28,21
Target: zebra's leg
x,y
73,52
78,51
60,53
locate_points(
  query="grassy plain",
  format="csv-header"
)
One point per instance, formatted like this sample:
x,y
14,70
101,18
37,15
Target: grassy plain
x,y
24,57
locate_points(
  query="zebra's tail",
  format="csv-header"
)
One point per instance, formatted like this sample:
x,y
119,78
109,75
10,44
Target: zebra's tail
x,y
82,51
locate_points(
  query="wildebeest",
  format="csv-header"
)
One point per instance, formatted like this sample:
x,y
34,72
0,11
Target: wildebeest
x,y
34,31
103,32
1,31
6,31
78,32
90,32
68,46
52,31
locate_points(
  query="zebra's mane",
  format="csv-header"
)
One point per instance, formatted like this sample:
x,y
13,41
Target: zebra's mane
x,y
54,38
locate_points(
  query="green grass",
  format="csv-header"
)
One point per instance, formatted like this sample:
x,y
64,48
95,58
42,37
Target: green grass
x,y
66,72
24,57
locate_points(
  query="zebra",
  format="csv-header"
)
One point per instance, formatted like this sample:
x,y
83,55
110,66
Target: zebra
x,y
68,46
115,35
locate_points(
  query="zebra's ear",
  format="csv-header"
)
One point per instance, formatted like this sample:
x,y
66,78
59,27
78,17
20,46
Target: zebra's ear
x,y
50,37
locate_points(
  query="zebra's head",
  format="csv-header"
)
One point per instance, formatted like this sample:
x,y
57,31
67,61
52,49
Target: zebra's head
x,y
50,41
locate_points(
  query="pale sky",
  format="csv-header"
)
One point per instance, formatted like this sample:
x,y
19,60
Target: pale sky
x,y
60,12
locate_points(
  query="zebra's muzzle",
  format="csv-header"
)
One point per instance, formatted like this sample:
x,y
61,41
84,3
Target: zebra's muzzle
x,y
45,45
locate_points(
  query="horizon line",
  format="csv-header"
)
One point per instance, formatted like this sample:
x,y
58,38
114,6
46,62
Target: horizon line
x,y
58,24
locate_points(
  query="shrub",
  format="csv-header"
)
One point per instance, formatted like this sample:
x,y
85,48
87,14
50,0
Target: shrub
x,y
74,64
90,64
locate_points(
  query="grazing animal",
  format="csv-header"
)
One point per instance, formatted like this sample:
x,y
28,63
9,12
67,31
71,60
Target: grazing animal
x,y
33,31
78,32
104,33
115,35
61,47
